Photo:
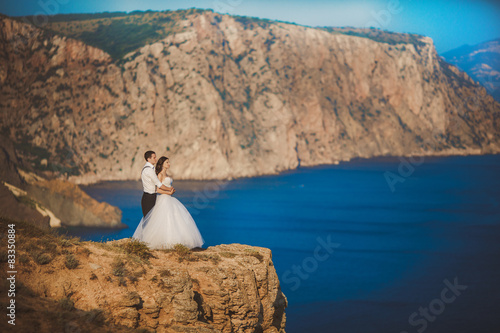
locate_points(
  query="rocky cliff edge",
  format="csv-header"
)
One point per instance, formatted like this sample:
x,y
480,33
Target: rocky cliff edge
x,y
63,284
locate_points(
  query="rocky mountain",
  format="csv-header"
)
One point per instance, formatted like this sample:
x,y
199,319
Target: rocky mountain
x,y
65,285
481,62
226,96
70,204
45,203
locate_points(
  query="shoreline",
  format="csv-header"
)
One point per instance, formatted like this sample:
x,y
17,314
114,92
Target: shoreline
x,y
352,161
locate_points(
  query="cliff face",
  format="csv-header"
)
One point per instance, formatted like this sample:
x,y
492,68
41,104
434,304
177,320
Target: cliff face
x,y
224,96
119,287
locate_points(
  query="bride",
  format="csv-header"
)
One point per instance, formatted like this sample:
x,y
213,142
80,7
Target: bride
x,y
169,222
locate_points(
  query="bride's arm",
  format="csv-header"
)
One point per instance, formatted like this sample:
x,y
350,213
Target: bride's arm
x,y
164,189
170,190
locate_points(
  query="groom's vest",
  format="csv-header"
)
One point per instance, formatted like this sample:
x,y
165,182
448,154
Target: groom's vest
x,y
142,174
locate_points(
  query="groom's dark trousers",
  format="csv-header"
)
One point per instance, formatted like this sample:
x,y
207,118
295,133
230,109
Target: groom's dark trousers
x,y
148,202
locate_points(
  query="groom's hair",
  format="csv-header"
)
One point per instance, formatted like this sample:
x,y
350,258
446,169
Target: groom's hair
x,y
148,154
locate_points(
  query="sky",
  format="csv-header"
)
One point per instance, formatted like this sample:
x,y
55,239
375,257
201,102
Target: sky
x,y
450,24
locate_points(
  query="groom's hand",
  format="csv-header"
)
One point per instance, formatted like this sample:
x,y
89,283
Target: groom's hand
x,y
172,191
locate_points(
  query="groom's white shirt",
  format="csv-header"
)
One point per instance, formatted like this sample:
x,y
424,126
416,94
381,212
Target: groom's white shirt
x,y
149,178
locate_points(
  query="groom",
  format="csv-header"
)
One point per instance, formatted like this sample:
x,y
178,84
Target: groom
x,y
150,182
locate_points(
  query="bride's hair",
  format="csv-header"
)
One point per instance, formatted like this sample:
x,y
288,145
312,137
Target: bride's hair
x,y
159,164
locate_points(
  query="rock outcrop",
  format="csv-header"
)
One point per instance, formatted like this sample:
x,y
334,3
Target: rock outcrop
x,y
227,96
28,197
72,205
9,162
224,288
21,208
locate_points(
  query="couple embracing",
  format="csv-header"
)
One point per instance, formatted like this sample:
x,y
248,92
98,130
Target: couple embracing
x,y
166,222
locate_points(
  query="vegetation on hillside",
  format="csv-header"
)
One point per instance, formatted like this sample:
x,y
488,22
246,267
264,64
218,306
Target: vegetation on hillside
x,y
251,22
381,36
120,33
79,17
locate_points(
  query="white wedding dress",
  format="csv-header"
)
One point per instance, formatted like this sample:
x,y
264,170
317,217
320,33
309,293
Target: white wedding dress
x,y
167,224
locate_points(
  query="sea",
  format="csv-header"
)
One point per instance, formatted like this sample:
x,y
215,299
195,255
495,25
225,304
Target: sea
x,y
386,244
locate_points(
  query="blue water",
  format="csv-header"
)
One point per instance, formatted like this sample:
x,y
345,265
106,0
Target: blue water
x,y
390,250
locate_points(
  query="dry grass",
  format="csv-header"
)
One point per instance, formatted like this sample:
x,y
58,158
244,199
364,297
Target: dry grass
x,y
134,276
118,267
183,253
41,258
86,251
65,242
120,270
43,246
71,261
66,304
181,250
105,246
138,248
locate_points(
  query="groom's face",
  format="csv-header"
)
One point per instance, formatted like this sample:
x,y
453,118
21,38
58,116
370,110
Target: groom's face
x,y
152,159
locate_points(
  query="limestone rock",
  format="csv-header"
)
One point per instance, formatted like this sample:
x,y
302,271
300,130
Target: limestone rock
x,y
227,97
73,206
224,288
